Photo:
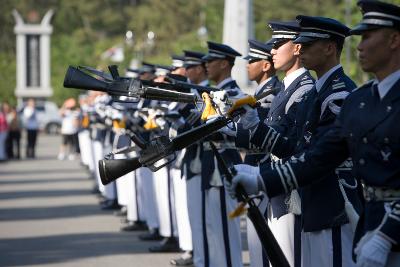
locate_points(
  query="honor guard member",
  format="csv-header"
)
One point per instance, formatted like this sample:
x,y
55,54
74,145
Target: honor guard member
x,y
191,168
176,117
102,147
128,189
84,133
163,185
143,175
147,71
161,72
284,216
364,131
223,234
178,65
260,69
188,193
90,122
327,235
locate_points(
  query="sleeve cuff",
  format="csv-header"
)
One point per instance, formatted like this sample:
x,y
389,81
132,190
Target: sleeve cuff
x,y
242,139
390,229
272,181
264,137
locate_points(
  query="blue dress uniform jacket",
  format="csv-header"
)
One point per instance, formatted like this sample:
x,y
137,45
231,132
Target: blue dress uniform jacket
x,y
322,201
282,117
367,131
229,154
263,110
265,106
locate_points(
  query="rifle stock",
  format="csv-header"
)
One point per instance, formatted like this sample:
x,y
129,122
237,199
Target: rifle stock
x,y
267,238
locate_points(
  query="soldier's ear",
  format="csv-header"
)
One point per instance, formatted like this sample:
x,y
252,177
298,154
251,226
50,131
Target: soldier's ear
x,y
266,66
297,48
394,39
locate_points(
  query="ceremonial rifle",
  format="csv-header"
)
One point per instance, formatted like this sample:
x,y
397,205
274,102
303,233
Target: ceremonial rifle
x,y
268,241
84,78
161,150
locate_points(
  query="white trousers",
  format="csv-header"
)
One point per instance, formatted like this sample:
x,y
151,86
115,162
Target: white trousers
x,y
317,247
109,190
283,230
216,220
125,185
181,209
98,155
254,243
3,137
195,208
84,147
165,201
90,151
132,197
148,203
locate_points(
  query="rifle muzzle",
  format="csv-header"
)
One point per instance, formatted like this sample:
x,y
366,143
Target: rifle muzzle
x,y
111,169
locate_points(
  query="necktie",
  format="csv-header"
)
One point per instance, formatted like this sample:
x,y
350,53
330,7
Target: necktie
x,y
375,92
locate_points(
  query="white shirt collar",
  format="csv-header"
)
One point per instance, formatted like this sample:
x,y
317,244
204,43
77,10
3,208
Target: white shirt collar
x,y
261,85
287,81
222,83
320,82
204,83
386,84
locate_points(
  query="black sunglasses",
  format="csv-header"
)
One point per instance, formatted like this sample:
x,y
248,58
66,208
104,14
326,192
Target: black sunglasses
x,y
279,43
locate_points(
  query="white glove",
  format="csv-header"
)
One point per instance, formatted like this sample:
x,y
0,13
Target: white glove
x,y
250,118
229,130
220,98
373,252
247,176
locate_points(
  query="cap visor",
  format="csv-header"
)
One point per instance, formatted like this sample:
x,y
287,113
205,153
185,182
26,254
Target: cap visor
x,y
304,40
362,27
190,65
248,58
208,58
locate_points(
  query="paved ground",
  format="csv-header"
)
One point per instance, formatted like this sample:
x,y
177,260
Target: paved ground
x,y
48,217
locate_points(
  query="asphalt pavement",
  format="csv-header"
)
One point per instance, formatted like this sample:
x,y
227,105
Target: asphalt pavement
x,y
49,217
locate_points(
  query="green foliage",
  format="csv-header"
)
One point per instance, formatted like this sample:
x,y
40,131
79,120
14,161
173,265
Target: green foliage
x,y
83,30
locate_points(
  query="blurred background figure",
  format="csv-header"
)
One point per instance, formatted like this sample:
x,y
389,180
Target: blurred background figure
x,y
4,109
14,134
31,125
69,129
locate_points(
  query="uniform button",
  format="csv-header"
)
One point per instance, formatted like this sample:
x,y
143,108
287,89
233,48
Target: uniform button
x,y
351,134
279,117
361,161
365,140
386,140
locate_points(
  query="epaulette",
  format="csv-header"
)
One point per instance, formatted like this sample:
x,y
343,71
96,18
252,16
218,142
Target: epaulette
x,y
338,83
306,81
367,84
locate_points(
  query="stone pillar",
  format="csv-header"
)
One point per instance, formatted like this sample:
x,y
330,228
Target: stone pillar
x,y
33,58
238,28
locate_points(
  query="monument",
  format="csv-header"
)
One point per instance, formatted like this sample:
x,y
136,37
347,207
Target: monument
x,y
238,28
33,57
